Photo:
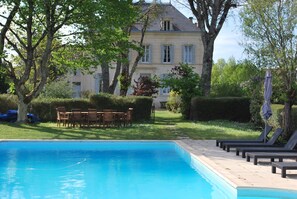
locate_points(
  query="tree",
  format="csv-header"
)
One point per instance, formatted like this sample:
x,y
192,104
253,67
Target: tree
x,y
148,12
270,30
210,16
186,83
232,78
105,36
146,86
26,24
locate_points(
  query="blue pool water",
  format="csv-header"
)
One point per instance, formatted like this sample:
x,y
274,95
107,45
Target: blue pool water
x,y
110,170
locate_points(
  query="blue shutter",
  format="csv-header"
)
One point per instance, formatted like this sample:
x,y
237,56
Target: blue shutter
x,y
150,53
193,54
183,54
171,54
162,53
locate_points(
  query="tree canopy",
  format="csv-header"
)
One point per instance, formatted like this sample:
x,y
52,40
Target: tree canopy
x,y
270,29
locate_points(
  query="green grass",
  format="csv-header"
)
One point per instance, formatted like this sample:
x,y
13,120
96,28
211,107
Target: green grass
x,y
167,126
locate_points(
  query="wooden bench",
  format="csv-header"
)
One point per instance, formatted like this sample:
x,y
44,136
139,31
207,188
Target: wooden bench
x,y
284,166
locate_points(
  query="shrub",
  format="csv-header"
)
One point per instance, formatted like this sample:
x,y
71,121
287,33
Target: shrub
x,y
141,105
184,81
7,102
45,108
174,102
57,89
226,108
146,86
227,90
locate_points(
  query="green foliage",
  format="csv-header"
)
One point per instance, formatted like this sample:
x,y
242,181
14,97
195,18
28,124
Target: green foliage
x,y
57,89
186,83
271,40
139,131
7,101
174,102
141,105
231,78
276,120
257,99
224,108
4,85
146,86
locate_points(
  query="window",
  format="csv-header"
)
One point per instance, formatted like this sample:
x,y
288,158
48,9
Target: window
x,y
166,25
98,83
164,90
76,89
146,58
188,54
167,54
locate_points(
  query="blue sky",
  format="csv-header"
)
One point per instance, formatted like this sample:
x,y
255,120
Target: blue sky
x,y
227,42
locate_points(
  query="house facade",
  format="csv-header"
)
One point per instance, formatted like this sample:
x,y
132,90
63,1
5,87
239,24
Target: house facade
x,y
170,39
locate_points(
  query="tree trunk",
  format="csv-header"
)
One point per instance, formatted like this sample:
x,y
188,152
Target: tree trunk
x,y
287,120
114,81
125,80
105,77
207,66
22,111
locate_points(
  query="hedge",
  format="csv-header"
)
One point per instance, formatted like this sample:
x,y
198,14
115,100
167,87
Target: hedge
x,y
7,102
45,109
221,108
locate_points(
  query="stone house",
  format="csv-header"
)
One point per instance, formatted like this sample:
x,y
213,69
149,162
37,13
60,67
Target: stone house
x,y
169,40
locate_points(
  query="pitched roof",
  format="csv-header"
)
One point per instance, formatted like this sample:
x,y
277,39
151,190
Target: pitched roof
x,y
168,12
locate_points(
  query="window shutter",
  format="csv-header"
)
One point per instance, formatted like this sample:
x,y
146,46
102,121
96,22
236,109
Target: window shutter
x,y
150,54
193,54
171,54
162,53
183,54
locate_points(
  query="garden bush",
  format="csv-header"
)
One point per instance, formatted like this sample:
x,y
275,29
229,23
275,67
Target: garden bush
x,y
174,102
141,105
224,108
7,102
45,108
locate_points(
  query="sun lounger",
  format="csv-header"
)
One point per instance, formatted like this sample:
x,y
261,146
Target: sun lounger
x,y
284,166
289,147
258,140
271,142
270,155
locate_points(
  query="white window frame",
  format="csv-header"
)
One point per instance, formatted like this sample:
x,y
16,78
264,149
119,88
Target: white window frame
x,y
166,25
188,54
146,58
164,90
167,55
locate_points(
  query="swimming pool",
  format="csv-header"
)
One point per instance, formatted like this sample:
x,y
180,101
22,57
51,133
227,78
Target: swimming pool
x,y
110,170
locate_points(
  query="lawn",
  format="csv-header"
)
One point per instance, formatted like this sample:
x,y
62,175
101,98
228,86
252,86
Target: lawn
x,y
167,126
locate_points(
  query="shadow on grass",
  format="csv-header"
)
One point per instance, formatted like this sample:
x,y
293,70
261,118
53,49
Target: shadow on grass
x,y
49,131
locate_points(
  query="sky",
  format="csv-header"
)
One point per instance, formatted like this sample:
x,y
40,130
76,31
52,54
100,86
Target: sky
x,y
227,43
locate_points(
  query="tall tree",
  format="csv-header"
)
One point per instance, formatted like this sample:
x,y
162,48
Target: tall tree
x,y
210,16
147,13
106,37
26,25
270,29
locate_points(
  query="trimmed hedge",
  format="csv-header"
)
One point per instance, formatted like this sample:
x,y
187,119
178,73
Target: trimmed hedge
x,y
7,102
142,106
223,108
45,109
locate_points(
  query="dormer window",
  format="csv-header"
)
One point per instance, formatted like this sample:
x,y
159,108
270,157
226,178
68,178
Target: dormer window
x,y
166,25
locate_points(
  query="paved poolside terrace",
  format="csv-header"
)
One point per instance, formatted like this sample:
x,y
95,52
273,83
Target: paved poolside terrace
x,y
236,170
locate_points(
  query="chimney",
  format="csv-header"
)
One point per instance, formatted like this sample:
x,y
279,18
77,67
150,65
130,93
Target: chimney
x,y
191,19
